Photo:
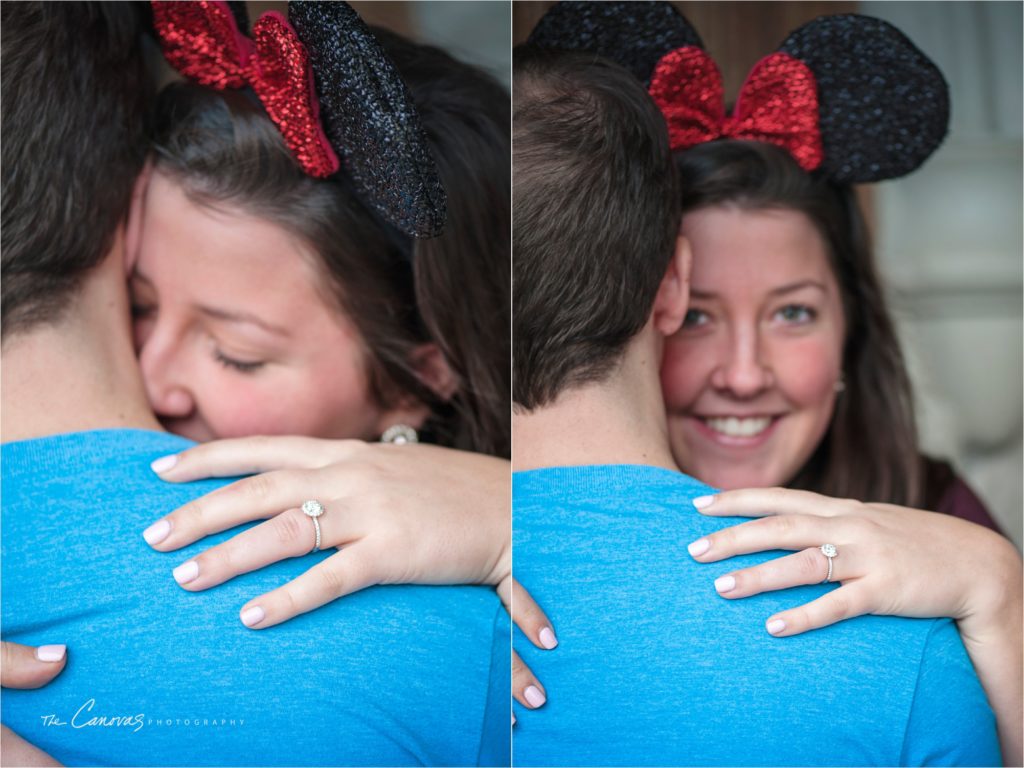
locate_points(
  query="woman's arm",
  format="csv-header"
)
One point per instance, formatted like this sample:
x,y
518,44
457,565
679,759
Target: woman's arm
x,y
892,561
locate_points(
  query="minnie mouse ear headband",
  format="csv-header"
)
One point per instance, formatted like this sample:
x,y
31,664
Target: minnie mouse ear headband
x,y
329,87
849,96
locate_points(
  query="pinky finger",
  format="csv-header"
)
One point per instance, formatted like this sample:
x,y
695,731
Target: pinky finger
x,y
837,605
341,574
525,686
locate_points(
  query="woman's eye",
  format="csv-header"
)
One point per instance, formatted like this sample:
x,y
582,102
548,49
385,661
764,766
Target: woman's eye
x,y
796,314
242,366
140,311
695,318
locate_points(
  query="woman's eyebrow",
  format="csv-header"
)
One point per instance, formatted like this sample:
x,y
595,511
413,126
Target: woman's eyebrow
x,y
790,287
242,317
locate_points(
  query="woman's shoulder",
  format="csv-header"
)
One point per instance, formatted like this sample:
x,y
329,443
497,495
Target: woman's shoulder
x,y
946,492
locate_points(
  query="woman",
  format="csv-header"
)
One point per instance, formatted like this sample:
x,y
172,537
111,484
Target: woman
x,y
792,376
270,301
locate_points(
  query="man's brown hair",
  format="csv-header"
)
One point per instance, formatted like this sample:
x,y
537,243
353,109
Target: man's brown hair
x,y
596,214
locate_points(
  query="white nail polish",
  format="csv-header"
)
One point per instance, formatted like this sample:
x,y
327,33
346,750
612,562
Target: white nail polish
x,y
164,463
251,616
699,547
51,653
186,572
157,532
725,584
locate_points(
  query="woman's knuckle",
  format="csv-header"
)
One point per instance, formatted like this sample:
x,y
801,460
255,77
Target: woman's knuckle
x,y
331,582
257,487
290,529
809,566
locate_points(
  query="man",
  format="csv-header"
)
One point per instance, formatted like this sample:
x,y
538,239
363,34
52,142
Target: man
x,y
158,675
651,667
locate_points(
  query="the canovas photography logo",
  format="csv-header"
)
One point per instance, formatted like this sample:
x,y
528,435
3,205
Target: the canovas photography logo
x,y
91,715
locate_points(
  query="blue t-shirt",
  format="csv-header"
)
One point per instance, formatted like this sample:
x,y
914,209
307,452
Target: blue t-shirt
x,y
653,667
157,675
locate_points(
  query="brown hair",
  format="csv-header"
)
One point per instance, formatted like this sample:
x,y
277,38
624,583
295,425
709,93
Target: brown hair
x,y
74,138
870,449
223,148
596,213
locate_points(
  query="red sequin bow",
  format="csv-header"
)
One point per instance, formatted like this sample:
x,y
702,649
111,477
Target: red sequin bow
x,y
202,41
778,103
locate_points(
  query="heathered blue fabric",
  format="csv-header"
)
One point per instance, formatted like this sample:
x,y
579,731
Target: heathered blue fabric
x,y
388,676
654,668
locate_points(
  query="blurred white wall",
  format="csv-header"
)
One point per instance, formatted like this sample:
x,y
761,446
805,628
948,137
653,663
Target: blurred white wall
x,y
476,31
949,240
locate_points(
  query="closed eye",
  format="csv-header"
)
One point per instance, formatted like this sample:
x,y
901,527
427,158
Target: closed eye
x,y
242,366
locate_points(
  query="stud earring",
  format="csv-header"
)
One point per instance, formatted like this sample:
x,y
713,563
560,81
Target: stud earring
x,y
399,434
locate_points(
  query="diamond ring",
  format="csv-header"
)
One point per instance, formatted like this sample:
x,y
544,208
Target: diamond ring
x,y
829,551
314,509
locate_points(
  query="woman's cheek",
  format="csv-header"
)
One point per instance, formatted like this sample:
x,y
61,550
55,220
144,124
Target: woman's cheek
x,y
681,373
806,371
242,409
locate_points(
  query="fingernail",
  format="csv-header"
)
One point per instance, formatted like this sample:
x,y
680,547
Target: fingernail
x,y
185,572
702,502
775,626
547,638
534,697
157,532
164,463
251,616
51,652
699,547
726,584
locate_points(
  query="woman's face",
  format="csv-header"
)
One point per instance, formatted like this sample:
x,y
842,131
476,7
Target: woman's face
x,y
232,334
750,378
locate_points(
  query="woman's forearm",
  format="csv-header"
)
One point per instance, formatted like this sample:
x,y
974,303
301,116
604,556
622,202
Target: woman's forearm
x,y
992,635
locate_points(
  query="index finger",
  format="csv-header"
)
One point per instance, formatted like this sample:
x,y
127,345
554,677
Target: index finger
x,y
764,502
251,455
791,532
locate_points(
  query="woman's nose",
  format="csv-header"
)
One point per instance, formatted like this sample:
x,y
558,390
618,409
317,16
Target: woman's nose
x,y
744,370
162,371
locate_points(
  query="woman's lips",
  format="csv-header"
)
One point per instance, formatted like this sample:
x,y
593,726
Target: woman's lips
x,y
736,431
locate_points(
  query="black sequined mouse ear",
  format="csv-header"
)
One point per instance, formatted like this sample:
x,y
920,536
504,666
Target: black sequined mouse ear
x,y
883,104
368,114
633,34
241,14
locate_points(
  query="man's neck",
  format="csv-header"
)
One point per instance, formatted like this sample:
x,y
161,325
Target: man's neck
x,y
79,373
618,421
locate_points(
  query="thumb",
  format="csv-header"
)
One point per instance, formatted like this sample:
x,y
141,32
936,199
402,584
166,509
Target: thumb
x,y
22,666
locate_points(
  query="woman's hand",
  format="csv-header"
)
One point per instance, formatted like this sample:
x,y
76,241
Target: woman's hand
x,y
22,666
891,560
529,617
403,513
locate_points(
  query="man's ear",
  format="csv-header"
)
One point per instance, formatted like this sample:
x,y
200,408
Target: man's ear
x,y
136,211
673,295
433,370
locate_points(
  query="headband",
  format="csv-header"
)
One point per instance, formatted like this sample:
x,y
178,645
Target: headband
x,y
328,86
847,95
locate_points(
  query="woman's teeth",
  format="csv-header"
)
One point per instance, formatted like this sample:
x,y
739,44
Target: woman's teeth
x,y
734,427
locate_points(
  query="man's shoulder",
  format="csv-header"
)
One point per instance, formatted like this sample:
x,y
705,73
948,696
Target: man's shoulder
x,y
605,481
68,453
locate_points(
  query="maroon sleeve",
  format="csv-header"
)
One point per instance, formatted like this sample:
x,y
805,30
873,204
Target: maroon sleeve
x,y
960,501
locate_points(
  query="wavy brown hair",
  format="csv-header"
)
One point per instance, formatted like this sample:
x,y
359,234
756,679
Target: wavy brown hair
x,y
869,451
